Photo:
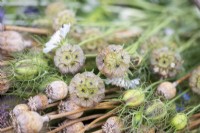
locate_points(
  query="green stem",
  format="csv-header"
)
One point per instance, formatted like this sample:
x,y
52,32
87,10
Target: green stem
x,y
91,55
194,109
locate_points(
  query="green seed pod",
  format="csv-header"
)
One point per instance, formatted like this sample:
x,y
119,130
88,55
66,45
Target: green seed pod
x,y
4,83
156,110
194,80
113,125
134,98
179,121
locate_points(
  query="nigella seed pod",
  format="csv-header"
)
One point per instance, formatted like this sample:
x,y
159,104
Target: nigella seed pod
x,y
4,83
134,98
86,89
57,90
113,125
11,41
38,102
64,17
194,80
156,110
165,62
19,109
74,128
113,61
67,106
167,89
69,58
179,121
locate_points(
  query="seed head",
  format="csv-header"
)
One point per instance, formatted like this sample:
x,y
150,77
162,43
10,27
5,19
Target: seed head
x,y
179,121
167,89
4,83
19,109
113,125
74,128
194,80
38,102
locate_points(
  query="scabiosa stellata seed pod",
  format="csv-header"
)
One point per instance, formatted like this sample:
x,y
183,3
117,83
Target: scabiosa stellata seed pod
x,y
69,59
165,62
57,90
4,83
74,128
20,108
54,8
194,80
38,102
167,89
134,98
113,61
67,106
113,125
179,121
156,110
64,17
87,89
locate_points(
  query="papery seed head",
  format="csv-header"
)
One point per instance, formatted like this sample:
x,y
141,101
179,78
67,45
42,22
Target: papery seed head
x,y
165,62
86,89
179,121
113,61
113,125
46,82
54,8
67,106
57,90
19,109
69,59
38,102
4,83
74,128
194,81
167,89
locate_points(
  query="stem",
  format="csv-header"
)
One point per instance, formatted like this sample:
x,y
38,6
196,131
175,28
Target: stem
x,y
96,125
98,131
52,105
75,121
194,109
195,116
6,129
181,79
91,55
194,124
112,90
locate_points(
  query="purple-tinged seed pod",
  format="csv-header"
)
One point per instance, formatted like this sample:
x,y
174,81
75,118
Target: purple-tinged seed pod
x,y
113,125
74,128
38,102
19,109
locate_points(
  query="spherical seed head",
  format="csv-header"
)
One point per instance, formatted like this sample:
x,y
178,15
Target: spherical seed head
x,y
57,90
67,106
38,102
155,110
28,122
19,109
86,89
167,89
194,80
4,83
165,62
54,8
134,98
179,121
113,61
113,125
64,17
74,128
69,59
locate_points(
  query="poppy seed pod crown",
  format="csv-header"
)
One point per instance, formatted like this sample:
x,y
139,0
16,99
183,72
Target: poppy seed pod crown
x,y
194,80
38,102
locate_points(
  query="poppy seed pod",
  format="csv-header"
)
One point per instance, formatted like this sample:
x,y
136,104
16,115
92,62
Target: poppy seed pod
x,y
4,83
86,89
113,61
20,108
179,121
11,41
46,82
69,58
194,80
64,17
156,110
74,128
54,8
134,98
167,89
67,106
165,62
57,90
38,102
113,125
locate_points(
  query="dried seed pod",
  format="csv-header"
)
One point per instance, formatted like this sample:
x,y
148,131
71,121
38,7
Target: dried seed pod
x,y
179,121
113,61
12,41
156,110
113,125
38,102
47,81
134,98
54,8
19,109
69,58
74,128
57,90
165,62
67,106
194,80
64,17
167,89
86,89
4,83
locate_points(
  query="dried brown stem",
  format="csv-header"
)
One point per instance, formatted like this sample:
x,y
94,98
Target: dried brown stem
x,y
195,116
98,131
194,124
182,79
52,105
6,129
96,125
111,90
